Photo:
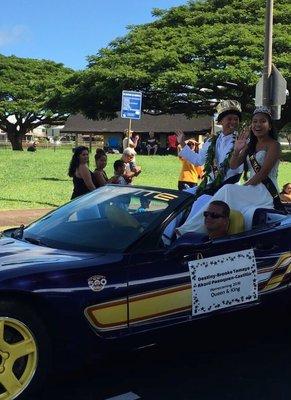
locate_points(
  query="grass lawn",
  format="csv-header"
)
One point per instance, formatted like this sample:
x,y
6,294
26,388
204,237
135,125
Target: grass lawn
x,y
40,180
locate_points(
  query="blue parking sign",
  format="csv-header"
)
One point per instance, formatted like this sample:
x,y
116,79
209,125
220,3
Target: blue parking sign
x,y
131,104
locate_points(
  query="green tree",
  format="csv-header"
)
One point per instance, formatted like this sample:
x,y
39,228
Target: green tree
x,y
30,94
285,134
187,59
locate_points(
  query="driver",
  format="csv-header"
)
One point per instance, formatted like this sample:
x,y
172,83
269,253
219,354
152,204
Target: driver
x,y
216,219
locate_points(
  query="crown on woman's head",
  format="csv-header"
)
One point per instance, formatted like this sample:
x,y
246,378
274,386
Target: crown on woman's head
x,y
263,110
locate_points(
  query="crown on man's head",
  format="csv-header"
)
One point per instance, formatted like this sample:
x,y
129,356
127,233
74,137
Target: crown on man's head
x,y
225,107
263,110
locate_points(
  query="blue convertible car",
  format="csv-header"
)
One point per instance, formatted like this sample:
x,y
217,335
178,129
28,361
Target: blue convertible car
x,y
107,266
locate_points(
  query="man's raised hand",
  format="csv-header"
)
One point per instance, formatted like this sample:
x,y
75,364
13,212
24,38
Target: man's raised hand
x,y
180,137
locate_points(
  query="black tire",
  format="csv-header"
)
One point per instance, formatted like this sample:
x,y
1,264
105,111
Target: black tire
x,y
21,321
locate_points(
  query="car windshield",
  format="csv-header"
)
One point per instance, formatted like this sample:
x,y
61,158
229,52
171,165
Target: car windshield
x,y
108,219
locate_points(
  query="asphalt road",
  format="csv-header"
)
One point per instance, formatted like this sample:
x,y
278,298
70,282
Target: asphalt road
x,y
237,359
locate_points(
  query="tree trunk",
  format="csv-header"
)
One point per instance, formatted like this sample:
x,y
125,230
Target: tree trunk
x,y
16,140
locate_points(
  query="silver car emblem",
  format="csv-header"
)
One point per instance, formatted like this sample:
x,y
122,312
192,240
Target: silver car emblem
x,y
97,283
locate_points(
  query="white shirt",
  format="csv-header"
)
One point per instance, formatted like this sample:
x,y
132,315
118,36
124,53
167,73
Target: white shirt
x,y
127,142
223,146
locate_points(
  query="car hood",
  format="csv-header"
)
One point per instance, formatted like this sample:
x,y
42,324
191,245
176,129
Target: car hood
x,y
15,254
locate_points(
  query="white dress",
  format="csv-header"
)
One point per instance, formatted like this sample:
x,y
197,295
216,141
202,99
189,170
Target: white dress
x,y
245,199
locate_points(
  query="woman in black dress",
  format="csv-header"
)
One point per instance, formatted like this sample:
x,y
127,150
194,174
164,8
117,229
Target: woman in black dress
x,y
100,175
83,178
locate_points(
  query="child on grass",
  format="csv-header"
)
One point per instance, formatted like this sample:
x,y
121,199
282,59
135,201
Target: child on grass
x,y
119,169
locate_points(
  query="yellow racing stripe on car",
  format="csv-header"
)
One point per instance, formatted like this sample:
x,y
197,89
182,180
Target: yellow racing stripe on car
x,y
160,303
111,315
165,196
275,281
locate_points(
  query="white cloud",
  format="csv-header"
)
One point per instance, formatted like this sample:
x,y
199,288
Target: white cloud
x,y
14,34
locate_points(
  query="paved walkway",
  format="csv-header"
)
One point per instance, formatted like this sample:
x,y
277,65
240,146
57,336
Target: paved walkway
x,y
9,218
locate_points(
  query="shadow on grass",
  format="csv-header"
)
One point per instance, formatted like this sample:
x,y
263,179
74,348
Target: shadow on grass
x,y
31,202
54,179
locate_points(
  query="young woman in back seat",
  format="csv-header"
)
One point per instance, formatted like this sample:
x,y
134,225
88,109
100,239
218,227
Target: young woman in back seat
x,y
260,147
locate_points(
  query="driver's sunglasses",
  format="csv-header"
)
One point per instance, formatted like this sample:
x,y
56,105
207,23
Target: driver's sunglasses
x,y
212,215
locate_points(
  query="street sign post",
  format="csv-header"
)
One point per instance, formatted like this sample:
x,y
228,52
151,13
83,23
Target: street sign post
x,y
131,104
278,88
271,89
277,92
131,107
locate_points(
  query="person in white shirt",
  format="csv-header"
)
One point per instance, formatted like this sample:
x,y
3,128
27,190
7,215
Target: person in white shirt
x,y
127,140
216,152
215,155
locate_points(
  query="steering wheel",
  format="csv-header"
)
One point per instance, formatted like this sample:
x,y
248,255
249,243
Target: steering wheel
x,y
120,218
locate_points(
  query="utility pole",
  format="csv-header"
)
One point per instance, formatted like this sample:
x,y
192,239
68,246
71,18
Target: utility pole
x,y
271,88
268,53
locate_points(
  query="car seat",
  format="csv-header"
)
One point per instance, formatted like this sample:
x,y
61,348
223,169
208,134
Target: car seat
x,y
236,224
120,218
263,216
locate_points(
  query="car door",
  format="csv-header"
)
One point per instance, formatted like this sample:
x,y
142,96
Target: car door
x,y
160,292
159,287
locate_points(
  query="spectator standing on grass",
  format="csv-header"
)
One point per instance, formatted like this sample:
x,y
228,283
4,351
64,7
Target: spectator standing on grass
x,y
127,140
83,178
172,143
135,140
190,173
285,195
31,147
101,178
131,169
118,177
152,143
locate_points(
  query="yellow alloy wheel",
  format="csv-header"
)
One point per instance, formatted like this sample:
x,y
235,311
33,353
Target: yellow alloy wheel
x,y
18,357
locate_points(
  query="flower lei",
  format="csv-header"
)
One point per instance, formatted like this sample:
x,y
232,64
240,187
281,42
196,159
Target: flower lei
x,y
211,167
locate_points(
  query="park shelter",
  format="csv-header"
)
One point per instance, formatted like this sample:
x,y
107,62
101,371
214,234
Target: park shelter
x,y
162,125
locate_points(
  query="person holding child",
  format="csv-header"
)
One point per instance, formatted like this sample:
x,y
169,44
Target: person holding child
x,y
131,169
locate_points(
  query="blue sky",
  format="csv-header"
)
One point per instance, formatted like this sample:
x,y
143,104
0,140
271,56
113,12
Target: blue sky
x,y
69,30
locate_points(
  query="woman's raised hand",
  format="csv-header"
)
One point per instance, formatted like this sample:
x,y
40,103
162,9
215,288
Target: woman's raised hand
x,y
242,140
